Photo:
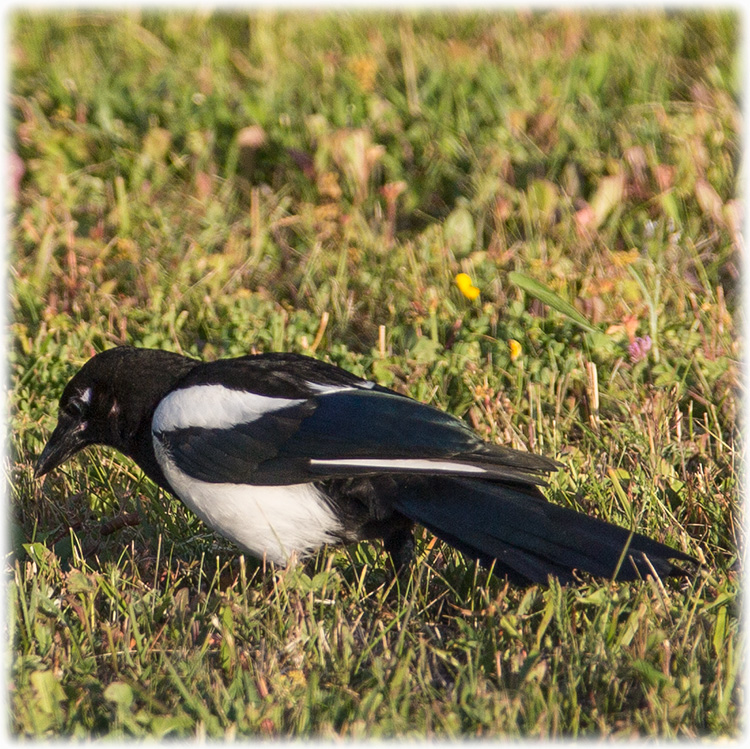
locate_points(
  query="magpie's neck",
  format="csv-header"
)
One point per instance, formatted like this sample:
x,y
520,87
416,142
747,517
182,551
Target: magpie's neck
x,y
136,394
141,450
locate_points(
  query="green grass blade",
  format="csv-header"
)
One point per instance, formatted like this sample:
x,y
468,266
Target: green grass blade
x,y
545,294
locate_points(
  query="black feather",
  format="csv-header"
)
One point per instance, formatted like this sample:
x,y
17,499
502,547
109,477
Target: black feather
x,y
275,375
246,453
528,537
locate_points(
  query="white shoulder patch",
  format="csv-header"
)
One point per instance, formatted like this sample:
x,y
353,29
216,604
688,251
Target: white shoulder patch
x,y
213,407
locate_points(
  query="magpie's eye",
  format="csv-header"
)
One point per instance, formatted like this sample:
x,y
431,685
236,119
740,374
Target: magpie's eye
x,y
75,408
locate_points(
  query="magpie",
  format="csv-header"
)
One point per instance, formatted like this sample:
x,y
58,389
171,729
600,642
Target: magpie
x,y
282,454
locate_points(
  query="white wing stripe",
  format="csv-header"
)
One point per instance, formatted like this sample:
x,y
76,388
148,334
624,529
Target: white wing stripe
x,y
401,464
213,407
317,387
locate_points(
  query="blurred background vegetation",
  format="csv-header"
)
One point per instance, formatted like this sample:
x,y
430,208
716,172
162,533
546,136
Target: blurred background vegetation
x,y
223,183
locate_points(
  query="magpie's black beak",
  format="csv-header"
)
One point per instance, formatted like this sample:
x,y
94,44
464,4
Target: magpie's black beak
x,y
67,439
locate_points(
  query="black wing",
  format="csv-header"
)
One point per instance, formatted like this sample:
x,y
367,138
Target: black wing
x,y
276,424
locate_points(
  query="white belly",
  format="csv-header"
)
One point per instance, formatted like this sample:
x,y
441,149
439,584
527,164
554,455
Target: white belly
x,y
271,521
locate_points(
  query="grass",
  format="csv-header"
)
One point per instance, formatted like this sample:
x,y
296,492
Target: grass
x,y
216,184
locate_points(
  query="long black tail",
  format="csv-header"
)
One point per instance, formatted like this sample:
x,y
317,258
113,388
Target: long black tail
x,y
526,537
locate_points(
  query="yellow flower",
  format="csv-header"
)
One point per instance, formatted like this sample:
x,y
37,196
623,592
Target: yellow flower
x,y
515,349
467,288
365,70
622,258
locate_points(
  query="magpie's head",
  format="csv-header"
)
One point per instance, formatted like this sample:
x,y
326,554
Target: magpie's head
x,y
110,401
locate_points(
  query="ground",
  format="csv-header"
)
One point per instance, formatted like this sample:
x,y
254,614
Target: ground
x,y
218,184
